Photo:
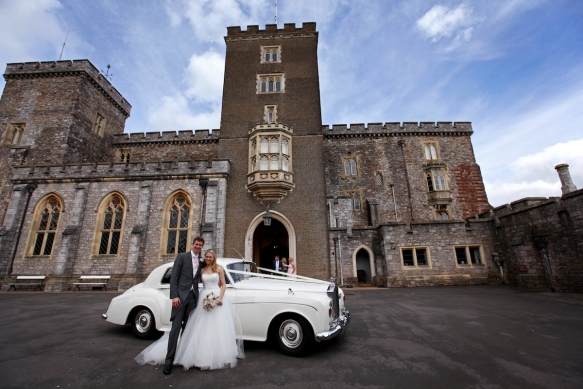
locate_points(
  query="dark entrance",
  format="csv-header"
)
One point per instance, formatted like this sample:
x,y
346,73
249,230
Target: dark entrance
x,y
269,242
363,271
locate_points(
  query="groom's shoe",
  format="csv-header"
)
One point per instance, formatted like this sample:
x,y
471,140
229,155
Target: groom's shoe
x,y
167,369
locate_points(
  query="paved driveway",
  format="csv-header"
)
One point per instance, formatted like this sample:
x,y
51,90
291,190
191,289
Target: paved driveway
x,y
448,337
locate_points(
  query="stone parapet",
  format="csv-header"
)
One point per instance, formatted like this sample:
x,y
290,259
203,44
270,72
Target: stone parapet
x,y
398,129
46,69
166,137
153,170
271,31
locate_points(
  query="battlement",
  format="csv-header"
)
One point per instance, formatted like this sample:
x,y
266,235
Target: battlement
x,y
183,136
396,129
26,70
308,28
104,171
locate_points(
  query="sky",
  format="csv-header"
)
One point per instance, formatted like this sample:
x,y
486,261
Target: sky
x,y
514,68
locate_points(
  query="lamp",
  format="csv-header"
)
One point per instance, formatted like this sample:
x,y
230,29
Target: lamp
x,y
267,217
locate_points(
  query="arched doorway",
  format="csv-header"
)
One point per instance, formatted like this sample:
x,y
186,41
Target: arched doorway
x,y
362,262
260,240
269,242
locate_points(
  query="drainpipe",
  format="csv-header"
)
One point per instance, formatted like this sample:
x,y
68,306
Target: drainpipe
x,y
30,188
203,182
402,144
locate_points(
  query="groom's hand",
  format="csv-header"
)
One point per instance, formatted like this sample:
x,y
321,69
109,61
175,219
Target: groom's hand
x,y
176,302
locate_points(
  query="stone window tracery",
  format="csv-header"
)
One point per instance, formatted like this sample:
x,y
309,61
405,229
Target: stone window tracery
x,y
99,125
270,54
430,151
350,166
45,226
436,180
14,134
356,199
110,225
273,153
125,155
177,224
270,83
270,114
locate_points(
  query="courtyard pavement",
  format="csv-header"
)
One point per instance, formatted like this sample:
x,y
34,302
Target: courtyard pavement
x,y
442,337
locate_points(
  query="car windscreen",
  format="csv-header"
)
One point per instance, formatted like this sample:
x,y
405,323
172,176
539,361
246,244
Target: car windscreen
x,y
248,267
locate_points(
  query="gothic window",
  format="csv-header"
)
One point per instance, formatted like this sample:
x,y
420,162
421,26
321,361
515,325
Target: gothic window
x,y
264,145
273,163
284,164
270,114
356,199
350,166
469,255
98,125
14,134
441,212
284,146
415,257
436,180
270,54
45,226
110,225
378,179
273,145
125,155
177,224
430,151
264,163
270,83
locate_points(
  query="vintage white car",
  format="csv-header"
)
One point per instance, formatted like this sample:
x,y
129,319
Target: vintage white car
x,y
295,311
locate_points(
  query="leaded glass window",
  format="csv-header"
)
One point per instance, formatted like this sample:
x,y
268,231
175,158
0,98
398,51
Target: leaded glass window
x,y
47,227
178,224
111,226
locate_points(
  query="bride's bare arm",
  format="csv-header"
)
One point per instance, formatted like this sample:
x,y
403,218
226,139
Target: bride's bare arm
x,y
223,285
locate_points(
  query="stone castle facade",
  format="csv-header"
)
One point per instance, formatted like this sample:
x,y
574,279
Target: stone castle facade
x,y
380,204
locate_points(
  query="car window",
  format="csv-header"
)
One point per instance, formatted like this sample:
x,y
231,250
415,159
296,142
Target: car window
x,y
248,267
166,278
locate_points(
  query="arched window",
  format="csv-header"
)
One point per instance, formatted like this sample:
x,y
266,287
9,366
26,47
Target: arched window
x,y
278,84
274,145
111,225
346,167
436,180
379,179
350,166
430,151
267,56
264,145
273,163
45,226
284,146
264,85
356,201
263,164
270,85
353,167
284,164
177,226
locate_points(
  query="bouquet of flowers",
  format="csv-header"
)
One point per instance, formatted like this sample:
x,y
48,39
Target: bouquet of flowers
x,y
209,302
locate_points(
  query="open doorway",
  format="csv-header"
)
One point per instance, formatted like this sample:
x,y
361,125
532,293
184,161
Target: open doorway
x,y
363,268
269,242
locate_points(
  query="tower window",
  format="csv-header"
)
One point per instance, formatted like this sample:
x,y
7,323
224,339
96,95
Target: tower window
x,y
99,125
350,166
14,134
270,54
436,180
270,83
356,199
430,151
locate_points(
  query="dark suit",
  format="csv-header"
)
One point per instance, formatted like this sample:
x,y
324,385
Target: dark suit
x,y
184,285
273,265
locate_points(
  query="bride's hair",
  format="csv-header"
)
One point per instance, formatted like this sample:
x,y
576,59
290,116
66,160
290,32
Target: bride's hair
x,y
214,265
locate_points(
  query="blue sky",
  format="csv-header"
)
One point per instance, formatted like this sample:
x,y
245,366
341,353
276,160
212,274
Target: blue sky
x,y
514,68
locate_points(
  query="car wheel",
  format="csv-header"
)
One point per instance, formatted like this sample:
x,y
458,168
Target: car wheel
x,y
293,335
143,323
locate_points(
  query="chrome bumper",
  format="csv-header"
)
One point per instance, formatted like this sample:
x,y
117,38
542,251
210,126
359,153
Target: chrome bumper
x,y
340,329
104,316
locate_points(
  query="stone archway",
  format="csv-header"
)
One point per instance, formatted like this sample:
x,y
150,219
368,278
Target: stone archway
x,y
259,240
363,264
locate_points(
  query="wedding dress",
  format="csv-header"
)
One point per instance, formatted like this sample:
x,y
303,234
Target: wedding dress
x,y
211,340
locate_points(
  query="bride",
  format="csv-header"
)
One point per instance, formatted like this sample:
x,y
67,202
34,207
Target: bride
x,y
211,338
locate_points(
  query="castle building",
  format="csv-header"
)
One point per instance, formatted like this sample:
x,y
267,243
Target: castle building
x,y
380,204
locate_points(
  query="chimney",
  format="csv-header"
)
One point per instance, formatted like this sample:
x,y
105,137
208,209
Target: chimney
x,y
567,185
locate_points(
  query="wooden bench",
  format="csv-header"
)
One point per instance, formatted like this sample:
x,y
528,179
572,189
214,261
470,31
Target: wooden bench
x,y
36,281
93,281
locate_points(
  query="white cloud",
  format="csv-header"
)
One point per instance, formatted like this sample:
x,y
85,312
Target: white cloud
x,y
204,77
27,27
175,114
441,21
534,175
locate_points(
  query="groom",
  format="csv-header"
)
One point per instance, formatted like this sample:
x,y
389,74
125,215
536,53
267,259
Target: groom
x,y
184,294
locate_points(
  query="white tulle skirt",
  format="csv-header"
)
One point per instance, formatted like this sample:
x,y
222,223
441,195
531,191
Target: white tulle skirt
x,y
211,340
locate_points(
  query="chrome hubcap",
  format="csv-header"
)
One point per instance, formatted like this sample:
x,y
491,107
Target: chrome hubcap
x,y
143,321
290,333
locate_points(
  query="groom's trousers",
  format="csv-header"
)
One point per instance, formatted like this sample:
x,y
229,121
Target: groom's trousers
x,y
178,324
